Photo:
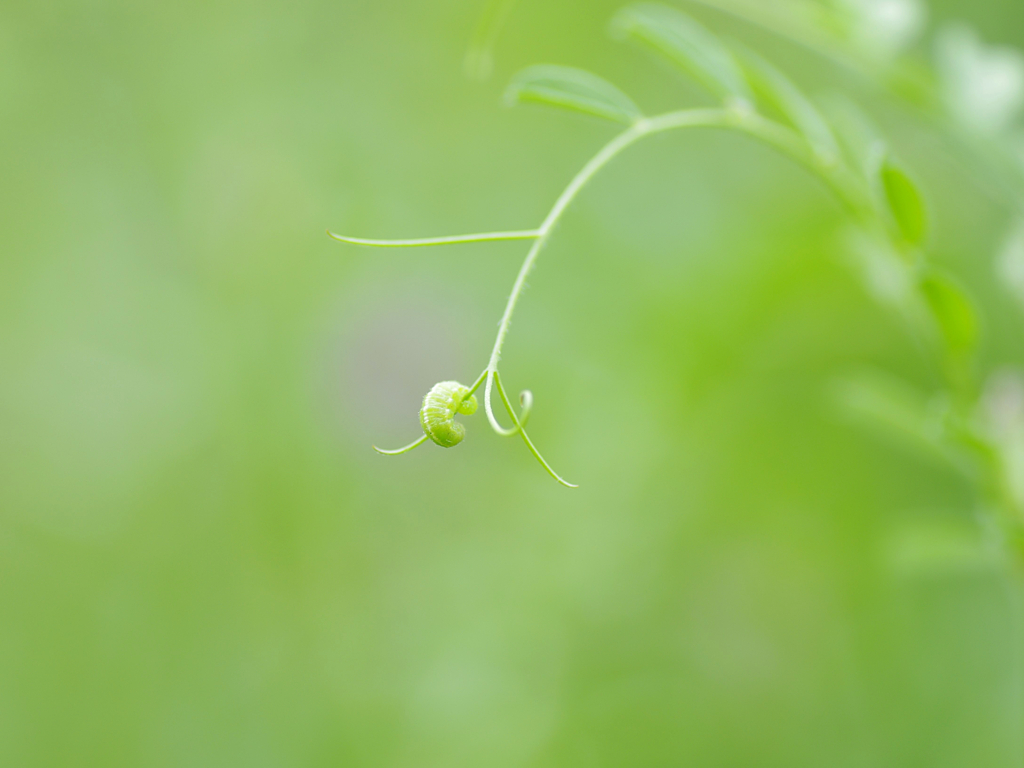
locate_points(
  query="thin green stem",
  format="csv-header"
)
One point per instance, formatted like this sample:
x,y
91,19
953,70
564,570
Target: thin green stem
x,y
485,237
476,384
525,400
838,178
623,140
526,439
489,409
1004,181
846,187
400,451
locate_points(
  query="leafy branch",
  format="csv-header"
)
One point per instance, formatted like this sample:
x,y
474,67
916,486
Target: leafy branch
x,y
846,153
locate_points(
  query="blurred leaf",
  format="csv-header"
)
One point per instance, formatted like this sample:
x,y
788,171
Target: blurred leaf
x,y
479,62
925,423
869,152
1010,261
904,201
1017,149
882,29
1002,409
892,404
952,309
819,27
574,89
780,92
884,271
982,85
686,44
939,547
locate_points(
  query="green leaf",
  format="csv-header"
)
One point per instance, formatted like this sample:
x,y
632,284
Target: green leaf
x,y
479,62
1010,261
898,195
887,275
574,89
940,546
952,309
686,44
894,407
982,85
930,424
904,201
781,93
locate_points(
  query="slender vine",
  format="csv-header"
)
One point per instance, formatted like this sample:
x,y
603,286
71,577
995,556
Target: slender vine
x,y
738,118
846,153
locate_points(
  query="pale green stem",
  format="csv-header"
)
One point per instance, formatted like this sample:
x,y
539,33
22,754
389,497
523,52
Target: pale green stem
x,y
400,451
778,136
525,400
738,118
476,384
485,237
519,427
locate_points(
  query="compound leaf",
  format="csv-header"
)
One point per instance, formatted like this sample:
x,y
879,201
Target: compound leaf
x,y
686,44
780,92
574,89
904,201
952,309
936,547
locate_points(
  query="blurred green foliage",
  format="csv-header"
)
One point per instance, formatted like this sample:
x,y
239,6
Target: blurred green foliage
x,y
203,563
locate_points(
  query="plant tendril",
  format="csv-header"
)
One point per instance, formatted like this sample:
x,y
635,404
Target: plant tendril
x,y
485,237
525,401
526,439
768,131
400,451
740,117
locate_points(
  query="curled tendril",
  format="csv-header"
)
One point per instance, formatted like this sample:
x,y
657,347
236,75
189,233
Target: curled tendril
x,y
525,401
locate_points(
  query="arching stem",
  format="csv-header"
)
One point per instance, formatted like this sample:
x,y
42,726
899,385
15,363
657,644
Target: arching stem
x,y
842,182
836,176
400,451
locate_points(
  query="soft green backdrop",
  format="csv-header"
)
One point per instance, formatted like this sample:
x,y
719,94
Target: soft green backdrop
x,y
202,563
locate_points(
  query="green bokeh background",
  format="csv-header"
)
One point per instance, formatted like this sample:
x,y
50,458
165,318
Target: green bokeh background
x,y
202,563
